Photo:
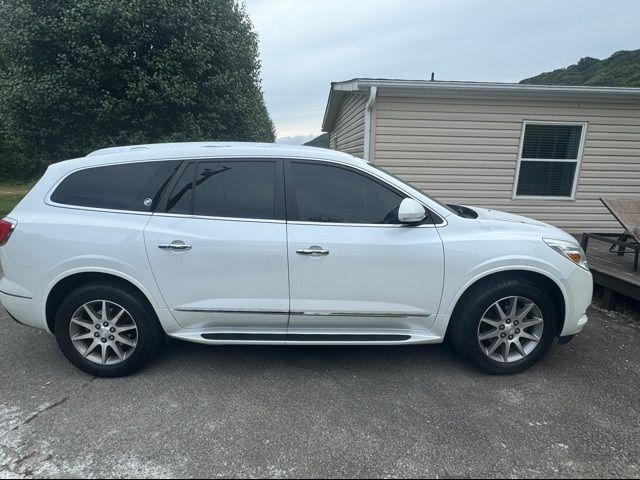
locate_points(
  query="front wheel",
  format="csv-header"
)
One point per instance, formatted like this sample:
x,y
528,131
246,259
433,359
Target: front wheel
x,y
505,326
107,331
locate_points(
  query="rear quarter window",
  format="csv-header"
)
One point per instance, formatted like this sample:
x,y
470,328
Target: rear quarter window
x,y
131,186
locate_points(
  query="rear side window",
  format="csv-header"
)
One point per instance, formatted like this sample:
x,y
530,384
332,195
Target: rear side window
x,y
133,186
236,189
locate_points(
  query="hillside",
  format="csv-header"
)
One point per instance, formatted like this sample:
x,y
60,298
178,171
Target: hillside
x,y
622,69
322,141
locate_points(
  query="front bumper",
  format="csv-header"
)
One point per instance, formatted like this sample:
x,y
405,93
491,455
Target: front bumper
x,y
579,295
575,328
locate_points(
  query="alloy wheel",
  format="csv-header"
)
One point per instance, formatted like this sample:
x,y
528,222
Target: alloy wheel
x,y
510,329
103,332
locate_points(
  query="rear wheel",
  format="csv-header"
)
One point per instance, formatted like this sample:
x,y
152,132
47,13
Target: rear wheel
x,y
106,331
505,326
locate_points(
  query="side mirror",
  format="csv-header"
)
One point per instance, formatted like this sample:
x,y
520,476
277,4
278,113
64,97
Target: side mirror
x,y
411,211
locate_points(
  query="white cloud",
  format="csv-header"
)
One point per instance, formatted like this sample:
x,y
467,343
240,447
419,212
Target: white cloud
x,y
296,139
305,45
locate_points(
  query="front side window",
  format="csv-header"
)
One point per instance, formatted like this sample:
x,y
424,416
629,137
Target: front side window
x,y
326,193
549,160
130,186
235,189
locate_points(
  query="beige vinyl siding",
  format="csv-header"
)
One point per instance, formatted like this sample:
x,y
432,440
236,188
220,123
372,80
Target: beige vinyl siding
x,y
348,133
465,150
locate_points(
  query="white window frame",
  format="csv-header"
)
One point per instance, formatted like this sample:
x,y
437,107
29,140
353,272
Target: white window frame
x,y
577,161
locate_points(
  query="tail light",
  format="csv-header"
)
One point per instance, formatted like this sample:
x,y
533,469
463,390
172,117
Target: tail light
x,y
6,227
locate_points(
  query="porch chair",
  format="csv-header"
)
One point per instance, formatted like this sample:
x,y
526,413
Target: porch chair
x,y
627,212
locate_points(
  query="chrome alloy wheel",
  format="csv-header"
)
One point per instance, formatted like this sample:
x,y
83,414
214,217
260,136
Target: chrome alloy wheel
x,y
510,329
103,332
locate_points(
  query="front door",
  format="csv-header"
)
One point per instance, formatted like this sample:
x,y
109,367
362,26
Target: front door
x,y
352,267
218,247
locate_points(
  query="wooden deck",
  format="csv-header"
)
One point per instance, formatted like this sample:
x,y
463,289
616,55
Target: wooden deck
x,y
613,272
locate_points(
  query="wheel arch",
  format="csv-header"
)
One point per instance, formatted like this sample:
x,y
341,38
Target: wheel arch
x,y
64,286
549,284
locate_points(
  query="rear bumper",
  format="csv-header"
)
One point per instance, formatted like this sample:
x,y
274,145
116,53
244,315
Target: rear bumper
x,y
23,310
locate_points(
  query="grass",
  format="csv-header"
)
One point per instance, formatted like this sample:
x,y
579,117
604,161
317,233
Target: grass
x,y
11,194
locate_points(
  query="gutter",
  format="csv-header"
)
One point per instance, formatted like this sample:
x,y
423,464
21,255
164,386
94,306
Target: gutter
x,y
368,127
575,93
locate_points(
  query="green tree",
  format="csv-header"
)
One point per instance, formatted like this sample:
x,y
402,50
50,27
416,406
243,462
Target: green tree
x,y
622,69
76,75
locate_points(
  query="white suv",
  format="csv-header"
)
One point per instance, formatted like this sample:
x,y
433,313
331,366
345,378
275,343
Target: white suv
x,y
264,244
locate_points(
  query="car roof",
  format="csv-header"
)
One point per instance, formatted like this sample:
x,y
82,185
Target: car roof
x,y
197,150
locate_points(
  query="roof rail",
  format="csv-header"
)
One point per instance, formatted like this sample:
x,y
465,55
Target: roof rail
x,y
169,146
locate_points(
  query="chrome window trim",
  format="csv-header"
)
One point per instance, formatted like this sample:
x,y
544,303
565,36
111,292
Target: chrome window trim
x,y
95,209
368,225
230,219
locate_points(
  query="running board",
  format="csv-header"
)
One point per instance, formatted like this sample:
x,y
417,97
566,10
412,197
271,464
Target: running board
x,y
295,337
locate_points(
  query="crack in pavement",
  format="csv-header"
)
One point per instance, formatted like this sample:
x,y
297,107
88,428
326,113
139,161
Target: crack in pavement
x,y
40,411
51,406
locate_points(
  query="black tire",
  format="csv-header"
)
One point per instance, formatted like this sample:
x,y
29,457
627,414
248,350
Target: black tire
x,y
150,336
463,332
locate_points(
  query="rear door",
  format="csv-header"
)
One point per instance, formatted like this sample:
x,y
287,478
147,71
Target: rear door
x,y
217,247
352,266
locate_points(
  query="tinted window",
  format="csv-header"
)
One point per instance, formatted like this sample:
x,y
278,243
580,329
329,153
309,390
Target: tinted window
x,y
332,194
241,189
181,198
133,186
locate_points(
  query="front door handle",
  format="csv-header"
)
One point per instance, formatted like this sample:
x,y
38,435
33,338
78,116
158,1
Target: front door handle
x,y
313,251
177,245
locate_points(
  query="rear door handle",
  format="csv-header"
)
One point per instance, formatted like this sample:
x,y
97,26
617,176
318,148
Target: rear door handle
x,y
313,251
177,245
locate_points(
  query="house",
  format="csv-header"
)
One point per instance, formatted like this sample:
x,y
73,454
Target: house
x,y
546,152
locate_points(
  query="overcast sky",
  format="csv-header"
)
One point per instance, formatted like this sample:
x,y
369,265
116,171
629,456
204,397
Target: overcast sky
x,y
307,44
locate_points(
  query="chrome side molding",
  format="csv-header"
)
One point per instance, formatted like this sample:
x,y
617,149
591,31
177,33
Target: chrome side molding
x,y
318,314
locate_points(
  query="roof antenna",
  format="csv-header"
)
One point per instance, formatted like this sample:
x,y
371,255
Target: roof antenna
x,y
433,76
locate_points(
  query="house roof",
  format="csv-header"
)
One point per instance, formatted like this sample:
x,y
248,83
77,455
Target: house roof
x,y
407,87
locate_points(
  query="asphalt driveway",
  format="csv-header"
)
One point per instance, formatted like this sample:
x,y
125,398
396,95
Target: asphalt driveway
x,y
302,412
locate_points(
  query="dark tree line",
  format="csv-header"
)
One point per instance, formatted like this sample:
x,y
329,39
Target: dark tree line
x,y
622,69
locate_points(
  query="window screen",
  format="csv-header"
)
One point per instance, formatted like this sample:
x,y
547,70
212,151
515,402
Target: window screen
x,y
241,189
549,160
131,186
331,194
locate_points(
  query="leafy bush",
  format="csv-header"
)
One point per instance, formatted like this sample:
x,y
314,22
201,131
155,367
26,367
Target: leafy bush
x,y
16,165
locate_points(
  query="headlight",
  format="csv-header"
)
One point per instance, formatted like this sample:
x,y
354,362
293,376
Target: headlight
x,y
569,250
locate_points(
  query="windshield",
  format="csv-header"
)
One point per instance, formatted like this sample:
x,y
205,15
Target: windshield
x,y
447,207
